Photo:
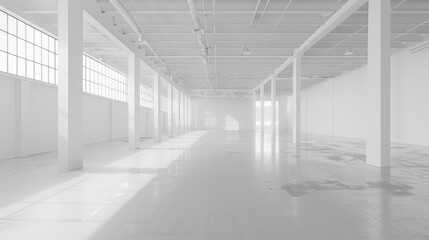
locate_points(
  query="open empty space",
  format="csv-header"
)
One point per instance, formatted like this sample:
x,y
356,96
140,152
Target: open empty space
x,y
214,119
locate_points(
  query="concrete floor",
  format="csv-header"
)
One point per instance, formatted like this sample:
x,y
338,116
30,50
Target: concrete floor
x,y
218,186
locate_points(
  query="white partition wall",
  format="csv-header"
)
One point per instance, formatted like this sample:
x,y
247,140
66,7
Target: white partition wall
x,y
70,137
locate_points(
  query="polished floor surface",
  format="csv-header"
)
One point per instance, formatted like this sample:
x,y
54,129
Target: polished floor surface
x,y
218,186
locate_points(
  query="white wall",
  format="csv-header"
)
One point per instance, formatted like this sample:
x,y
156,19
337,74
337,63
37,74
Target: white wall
x,y
96,119
338,106
119,120
103,119
223,114
146,122
7,117
43,118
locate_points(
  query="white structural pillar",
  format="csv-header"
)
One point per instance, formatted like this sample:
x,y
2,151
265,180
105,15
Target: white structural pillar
x,y
156,107
183,113
262,108
188,119
254,111
273,108
170,111
133,101
296,105
179,127
70,139
378,85
188,113
188,126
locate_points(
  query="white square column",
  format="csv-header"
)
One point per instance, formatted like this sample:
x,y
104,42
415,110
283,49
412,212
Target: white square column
x,y
183,113
190,114
156,107
254,111
273,108
188,119
262,108
170,111
296,104
187,114
378,85
133,101
179,119
70,135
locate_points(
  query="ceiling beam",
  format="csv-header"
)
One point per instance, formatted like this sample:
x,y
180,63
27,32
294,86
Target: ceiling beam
x,y
52,11
199,90
264,57
339,17
103,23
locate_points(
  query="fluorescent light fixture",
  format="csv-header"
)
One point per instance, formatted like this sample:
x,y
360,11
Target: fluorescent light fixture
x,y
349,52
245,51
200,31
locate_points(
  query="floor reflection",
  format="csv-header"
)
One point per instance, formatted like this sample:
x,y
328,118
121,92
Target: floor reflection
x,y
220,185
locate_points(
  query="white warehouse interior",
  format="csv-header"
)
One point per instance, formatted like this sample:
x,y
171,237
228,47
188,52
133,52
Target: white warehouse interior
x,y
214,119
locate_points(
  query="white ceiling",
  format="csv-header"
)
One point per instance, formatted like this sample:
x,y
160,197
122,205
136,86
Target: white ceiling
x,y
269,29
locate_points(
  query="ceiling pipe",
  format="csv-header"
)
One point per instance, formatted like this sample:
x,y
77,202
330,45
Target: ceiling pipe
x,y
200,31
130,21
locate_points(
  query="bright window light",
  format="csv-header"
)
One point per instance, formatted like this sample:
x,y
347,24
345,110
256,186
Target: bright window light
x,y
28,52
146,96
3,61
